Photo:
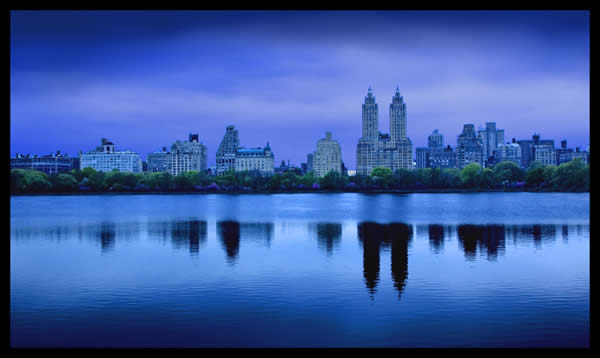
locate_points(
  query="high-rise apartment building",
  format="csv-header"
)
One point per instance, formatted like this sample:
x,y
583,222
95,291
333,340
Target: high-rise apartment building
x,y
157,161
544,154
105,159
469,147
376,149
490,139
227,151
187,156
327,157
527,155
509,152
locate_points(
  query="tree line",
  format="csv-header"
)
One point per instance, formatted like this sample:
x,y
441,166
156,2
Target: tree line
x,y
572,176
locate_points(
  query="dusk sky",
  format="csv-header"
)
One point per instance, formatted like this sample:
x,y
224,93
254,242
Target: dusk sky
x,y
144,79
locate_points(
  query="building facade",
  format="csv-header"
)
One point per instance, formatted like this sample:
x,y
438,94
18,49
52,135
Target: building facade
x,y
255,159
310,162
105,159
442,158
157,161
527,148
565,155
469,147
509,152
50,164
544,154
490,139
435,140
227,151
186,156
327,157
374,149
421,157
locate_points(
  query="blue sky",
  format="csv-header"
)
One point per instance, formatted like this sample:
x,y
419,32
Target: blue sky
x,y
144,79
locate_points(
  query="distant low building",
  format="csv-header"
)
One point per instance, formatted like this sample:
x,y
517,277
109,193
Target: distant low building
x,y
310,162
49,164
441,158
105,159
255,159
584,156
565,155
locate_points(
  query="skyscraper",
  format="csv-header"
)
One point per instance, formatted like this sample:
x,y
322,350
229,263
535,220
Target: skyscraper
x,y
227,151
397,118
370,112
490,139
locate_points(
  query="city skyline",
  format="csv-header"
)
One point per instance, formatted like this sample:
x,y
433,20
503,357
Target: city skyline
x,y
147,79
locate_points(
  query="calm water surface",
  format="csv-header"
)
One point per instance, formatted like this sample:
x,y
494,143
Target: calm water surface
x,y
301,270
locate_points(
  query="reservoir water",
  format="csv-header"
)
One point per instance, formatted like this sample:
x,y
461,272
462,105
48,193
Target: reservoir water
x,y
300,270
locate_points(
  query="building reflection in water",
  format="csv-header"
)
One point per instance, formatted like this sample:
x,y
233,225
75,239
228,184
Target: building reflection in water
x,y
257,232
189,234
231,232
486,238
329,236
565,233
536,234
184,234
373,237
436,238
107,234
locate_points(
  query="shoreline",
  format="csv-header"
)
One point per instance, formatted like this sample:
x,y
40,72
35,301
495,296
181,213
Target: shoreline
x,y
241,192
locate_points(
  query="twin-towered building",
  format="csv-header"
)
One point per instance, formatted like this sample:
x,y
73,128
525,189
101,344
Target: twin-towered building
x,y
375,149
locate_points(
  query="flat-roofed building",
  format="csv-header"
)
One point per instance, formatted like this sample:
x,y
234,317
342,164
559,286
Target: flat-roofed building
x,y
49,164
105,159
